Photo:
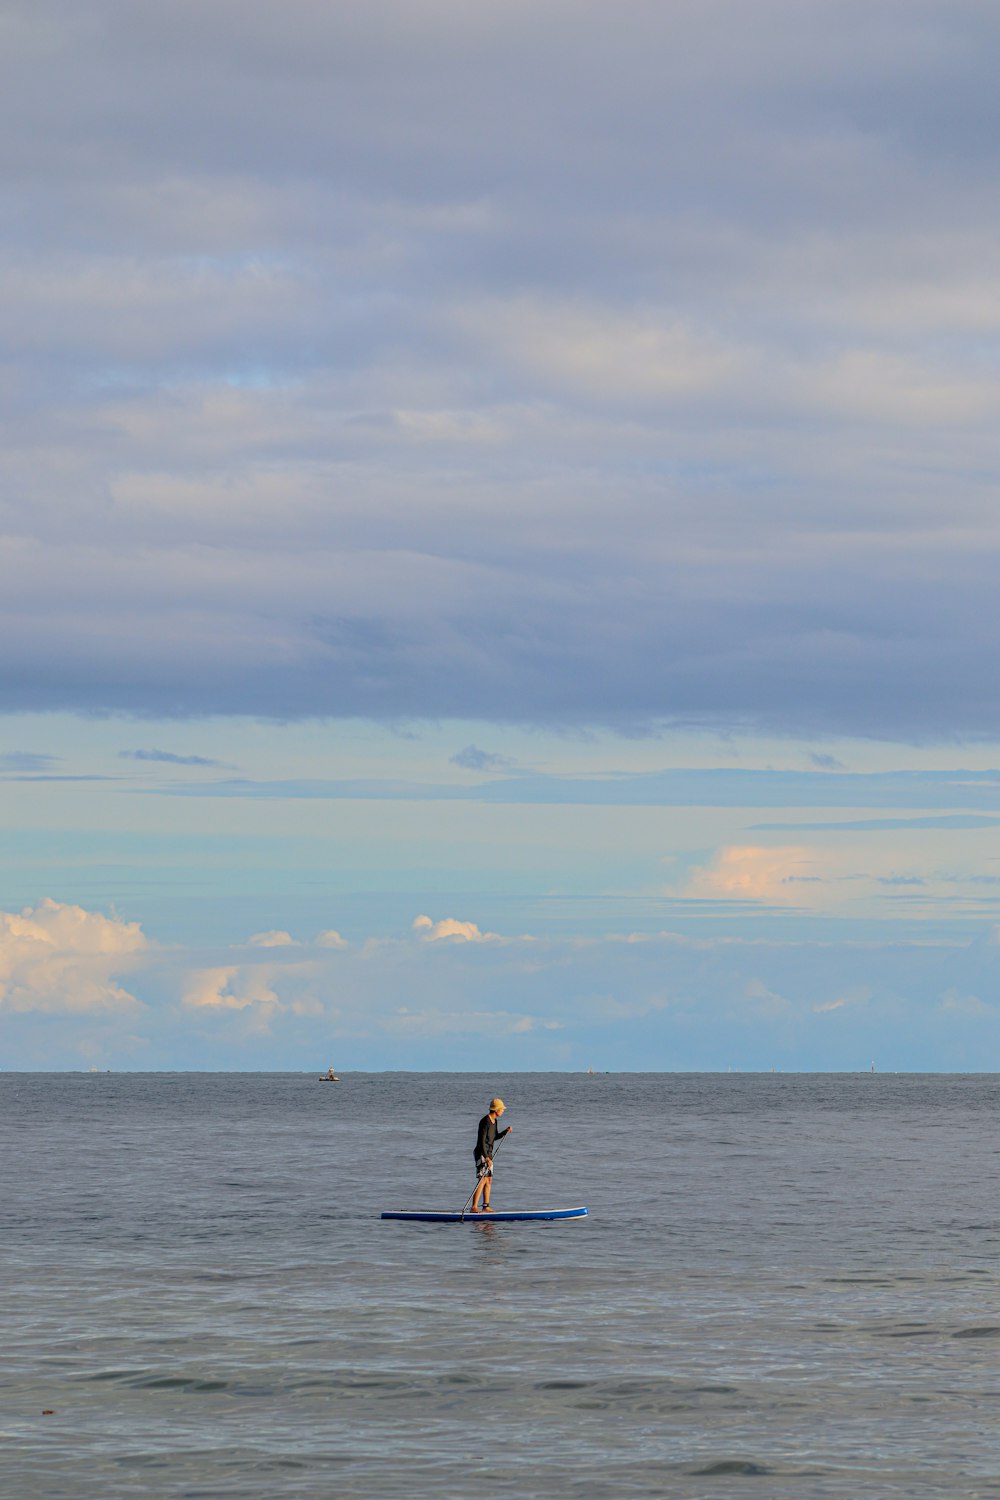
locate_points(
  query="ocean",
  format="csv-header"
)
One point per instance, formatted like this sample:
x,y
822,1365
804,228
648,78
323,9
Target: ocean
x,y
787,1286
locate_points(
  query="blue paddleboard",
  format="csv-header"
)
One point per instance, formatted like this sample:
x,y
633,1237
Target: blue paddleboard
x,y
425,1217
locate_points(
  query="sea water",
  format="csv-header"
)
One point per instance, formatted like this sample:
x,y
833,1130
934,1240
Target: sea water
x,y
788,1286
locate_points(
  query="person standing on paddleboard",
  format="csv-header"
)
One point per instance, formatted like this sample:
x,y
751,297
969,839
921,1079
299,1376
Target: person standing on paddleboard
x,y
485,1146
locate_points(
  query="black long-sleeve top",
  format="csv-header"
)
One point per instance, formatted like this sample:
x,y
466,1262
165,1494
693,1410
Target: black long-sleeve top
x,y
488,1136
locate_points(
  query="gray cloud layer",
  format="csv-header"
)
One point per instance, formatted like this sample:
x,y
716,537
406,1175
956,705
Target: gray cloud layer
x,y
168,757
542,363
715,787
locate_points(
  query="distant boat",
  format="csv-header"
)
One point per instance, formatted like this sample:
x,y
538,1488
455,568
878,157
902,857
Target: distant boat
x,y
590,1070
329,1077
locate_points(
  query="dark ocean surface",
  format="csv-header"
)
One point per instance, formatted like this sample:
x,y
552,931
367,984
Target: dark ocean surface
x,y
788,1286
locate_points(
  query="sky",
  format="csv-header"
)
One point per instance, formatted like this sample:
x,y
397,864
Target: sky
x,y
499,534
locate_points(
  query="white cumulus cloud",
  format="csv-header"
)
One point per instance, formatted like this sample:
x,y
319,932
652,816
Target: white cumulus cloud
x,y
231,987
450,927
331,939
59,958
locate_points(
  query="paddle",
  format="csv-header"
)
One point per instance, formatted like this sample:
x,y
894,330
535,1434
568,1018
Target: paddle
x,y
496,1148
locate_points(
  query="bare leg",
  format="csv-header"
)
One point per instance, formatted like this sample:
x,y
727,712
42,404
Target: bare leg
x,y
482,1192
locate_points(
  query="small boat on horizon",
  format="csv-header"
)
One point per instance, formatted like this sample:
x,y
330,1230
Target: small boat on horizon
x,y
329,1077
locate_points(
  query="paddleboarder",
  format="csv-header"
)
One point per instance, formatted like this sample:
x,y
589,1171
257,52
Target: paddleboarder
x,y
485,1146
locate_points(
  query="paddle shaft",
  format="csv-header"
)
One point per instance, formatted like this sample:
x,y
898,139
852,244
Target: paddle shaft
x,y
493,1158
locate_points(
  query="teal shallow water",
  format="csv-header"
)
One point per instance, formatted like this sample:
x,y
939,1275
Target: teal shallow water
x,y
788,1286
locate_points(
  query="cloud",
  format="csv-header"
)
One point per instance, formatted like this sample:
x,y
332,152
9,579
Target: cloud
x,y
474,759
767,1004
971,1007
25,761
752,872
858,995
167,757
661,402
58,958
825,762
673,787
838,879
449,927
875,825
331,939
669,1001
647,356
259,994
232,987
